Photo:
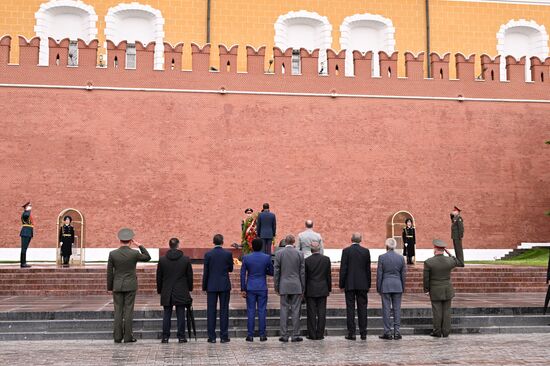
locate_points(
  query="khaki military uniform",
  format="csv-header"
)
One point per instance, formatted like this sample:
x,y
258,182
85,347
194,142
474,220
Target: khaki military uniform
x,y
437,281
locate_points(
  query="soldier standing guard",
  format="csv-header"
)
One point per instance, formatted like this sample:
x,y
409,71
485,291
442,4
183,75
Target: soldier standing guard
x,y
437,283
457,232
66,240
26,233
409,241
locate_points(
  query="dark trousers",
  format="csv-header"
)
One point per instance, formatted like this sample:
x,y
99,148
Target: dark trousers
x,y
361,298
167,321
441,311
25,242
256,300
267,246
459,252
212,314
316,316
124,315
66,259
546,301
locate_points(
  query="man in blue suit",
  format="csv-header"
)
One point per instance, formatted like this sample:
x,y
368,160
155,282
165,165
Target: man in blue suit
x,y
254,271
215,281
390,284
266,227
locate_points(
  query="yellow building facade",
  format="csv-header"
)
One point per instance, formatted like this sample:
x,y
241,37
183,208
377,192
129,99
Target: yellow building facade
x,y
455,26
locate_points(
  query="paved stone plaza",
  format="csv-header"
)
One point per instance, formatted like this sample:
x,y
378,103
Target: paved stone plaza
x,y
509,349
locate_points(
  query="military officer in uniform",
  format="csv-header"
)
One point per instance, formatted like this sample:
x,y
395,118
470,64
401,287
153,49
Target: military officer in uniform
x,y
122,281
409,241
457,232
27,228
66,240
437,283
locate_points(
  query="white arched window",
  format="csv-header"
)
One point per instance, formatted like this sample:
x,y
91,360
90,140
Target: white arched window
x,y
136,22
61,19
304,29
520,38
366,32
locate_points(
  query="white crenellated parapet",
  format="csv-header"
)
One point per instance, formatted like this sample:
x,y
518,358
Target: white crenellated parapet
x,y
366,32
61,19
137,22
521,38
304,29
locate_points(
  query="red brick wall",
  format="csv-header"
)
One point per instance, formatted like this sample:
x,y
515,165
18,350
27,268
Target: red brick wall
x,y
187,165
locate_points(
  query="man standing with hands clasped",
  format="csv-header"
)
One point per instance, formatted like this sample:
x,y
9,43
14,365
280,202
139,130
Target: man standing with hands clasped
x,y
437,283
122,280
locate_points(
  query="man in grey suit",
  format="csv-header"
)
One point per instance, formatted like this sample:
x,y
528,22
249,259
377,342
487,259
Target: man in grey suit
x,y
290,281
390,284
307,237
122,280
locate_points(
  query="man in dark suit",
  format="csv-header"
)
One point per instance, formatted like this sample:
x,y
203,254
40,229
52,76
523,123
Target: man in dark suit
x,y
355,280
318,288
27,228
122,281
266,227
390,284
290,281
437,283
215,281
254,271
174,284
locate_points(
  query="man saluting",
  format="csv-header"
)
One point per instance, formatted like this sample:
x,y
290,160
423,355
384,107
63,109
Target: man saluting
x,y
27,227
457,232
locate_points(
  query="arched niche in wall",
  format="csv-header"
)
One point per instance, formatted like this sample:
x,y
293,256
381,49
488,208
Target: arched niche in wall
x,y
366,32
61,19
137,22
521,38
304,29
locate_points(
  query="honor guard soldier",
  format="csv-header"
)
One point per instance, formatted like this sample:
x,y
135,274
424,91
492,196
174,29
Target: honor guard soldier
x,y
27,228
457,232
409,241
66,240
437,283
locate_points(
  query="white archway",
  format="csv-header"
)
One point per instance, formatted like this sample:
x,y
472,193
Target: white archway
x,y
366,32
137,22
521,38
61,19
304,29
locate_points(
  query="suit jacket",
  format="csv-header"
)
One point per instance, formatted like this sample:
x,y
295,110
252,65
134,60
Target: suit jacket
x,y
355,272
218,262
254,271
26,225
391,273
437,277
318,275
289,275
121,268
266,225
457,227
174,279
305,238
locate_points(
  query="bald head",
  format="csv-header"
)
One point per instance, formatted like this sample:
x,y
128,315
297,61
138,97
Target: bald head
x,y
356,238
309,224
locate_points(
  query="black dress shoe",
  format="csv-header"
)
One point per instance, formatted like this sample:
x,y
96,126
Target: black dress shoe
x,y
249,339
263,339
386,336
226,340
311,338
25,265
283,339
397,337
118,341
433,334
445,335
210,340
351,338
364,337
182,340
164,340
131,340
297,339
320,338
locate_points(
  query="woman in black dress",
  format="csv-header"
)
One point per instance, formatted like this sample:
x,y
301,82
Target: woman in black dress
x,y
66,240
409,241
